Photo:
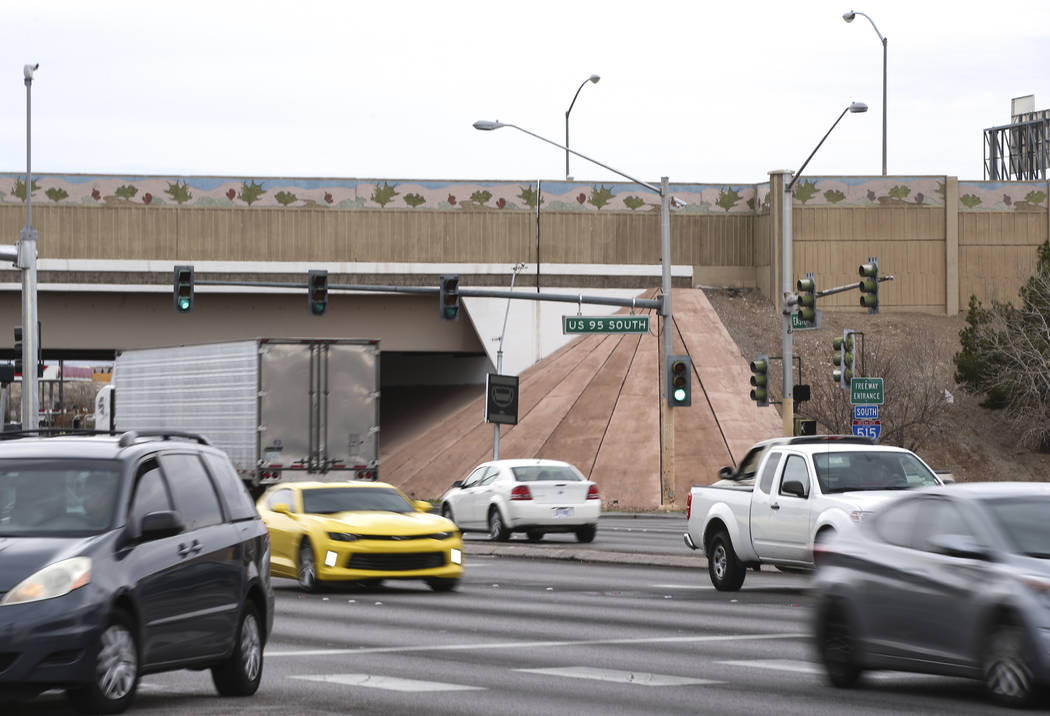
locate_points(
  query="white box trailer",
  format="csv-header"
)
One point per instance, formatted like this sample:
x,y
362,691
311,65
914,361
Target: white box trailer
x,y
281,408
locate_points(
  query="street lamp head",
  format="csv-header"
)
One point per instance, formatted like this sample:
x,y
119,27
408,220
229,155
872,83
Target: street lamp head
x,y
848,16
594,78
28,70
856,107
487,125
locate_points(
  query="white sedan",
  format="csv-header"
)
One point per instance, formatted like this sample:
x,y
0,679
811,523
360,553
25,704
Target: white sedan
x,y
531,496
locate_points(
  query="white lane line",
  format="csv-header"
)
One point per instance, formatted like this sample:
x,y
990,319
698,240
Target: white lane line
x,y
388,683
801,667
683,586
804,667
536,644
619,677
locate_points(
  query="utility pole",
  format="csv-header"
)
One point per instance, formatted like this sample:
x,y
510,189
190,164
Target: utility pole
x,y
27,262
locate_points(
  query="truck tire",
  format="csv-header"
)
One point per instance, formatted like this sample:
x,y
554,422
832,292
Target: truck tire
x,y
726,570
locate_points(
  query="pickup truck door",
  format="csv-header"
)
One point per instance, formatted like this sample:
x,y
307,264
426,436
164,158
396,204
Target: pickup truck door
x,y
780,521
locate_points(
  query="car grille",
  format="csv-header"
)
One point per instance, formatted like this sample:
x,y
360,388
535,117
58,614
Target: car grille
x,y
397,562
406,538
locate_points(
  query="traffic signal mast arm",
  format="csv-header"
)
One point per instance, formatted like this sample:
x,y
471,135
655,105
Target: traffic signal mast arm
x,y
848,287
475,292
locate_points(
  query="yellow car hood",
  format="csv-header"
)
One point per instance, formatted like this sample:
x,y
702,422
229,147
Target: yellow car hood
x,y
385,523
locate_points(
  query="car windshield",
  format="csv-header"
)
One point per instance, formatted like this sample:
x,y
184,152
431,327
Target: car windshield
x,y
545,473
329,500
874,470
57,497
1024,523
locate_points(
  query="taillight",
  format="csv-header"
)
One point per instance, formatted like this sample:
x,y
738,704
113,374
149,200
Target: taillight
x,y
592,493
689,505
520,492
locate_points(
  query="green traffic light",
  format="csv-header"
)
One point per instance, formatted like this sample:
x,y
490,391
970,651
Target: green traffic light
x,y
679,395
184,304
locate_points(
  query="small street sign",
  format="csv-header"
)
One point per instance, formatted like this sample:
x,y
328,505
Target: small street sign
x,y
865,412
866,391
617,323
501,399
867,428
797,324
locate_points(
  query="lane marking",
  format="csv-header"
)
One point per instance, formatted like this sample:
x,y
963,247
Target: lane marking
x,y
620,677
388,683
805,667
683,586
536,644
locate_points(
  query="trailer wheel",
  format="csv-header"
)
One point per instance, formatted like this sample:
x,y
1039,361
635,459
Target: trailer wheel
x,y
725,568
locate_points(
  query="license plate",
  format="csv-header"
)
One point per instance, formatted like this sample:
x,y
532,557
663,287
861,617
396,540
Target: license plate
x,y
563,512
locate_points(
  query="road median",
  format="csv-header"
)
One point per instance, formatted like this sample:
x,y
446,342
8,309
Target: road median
x,y
582,554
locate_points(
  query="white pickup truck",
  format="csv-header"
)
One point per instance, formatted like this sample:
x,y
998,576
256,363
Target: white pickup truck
x,y
789,493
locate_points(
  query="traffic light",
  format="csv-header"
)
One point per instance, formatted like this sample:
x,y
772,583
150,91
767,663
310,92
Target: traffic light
x,y
760,381
183,289
843,357
18,350
807,300
317,292
679,381
869,285
449,297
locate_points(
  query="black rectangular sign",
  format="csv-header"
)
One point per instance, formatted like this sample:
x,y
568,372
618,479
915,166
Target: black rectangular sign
x,y
501,399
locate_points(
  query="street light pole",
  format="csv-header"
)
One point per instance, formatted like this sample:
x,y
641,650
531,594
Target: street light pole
x,y
848,17
788,298
594,80
27,262
664,192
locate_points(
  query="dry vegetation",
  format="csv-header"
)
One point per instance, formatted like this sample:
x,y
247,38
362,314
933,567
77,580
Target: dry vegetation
x,y
972,442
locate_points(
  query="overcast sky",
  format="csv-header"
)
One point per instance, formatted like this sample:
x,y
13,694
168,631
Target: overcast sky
x,y
710,92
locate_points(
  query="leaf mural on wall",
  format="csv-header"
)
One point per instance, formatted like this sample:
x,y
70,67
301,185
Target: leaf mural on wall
x,y
634,202
834,196
805,190
600,196
969,200
480,197
126,191
751,203
285,198
899,192
384,194
941,190
528,195
250,193
1035,197
727,198
57,194
179,192
19,189
414,200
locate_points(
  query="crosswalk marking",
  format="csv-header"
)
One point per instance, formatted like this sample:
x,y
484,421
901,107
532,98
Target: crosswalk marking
x,y
388,683
619,677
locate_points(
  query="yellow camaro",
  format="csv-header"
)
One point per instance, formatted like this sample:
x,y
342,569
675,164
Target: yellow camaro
x,y
358,531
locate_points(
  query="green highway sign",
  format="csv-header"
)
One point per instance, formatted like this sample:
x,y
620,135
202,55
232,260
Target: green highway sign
x,y
866,391
604,324
797,324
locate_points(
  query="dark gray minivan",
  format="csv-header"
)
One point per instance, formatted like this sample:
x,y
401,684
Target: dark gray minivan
x,y
122,555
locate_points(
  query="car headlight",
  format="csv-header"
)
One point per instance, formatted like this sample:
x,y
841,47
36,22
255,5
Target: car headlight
x,y
343,537
52,581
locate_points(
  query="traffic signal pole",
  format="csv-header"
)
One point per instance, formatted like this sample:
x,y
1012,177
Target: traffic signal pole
x,y
27,262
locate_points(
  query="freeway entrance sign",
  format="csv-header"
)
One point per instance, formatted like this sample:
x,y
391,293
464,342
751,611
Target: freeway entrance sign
x,y
605,324
866,391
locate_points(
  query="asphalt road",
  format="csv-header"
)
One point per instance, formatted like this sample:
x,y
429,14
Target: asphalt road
x,y
551,636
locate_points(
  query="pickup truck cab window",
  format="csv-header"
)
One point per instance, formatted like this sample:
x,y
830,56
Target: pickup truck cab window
x,y
770,471
870,470
795,471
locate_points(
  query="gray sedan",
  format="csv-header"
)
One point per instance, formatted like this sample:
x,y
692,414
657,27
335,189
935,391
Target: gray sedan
x,y
954,581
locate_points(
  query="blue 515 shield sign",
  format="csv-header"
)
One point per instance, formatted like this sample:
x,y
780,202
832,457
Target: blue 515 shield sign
x,y
867,428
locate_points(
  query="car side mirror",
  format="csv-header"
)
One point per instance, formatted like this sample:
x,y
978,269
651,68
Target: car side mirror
x,y
282,508
725,473
422,505
794,487
457,483
959,546
156,525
